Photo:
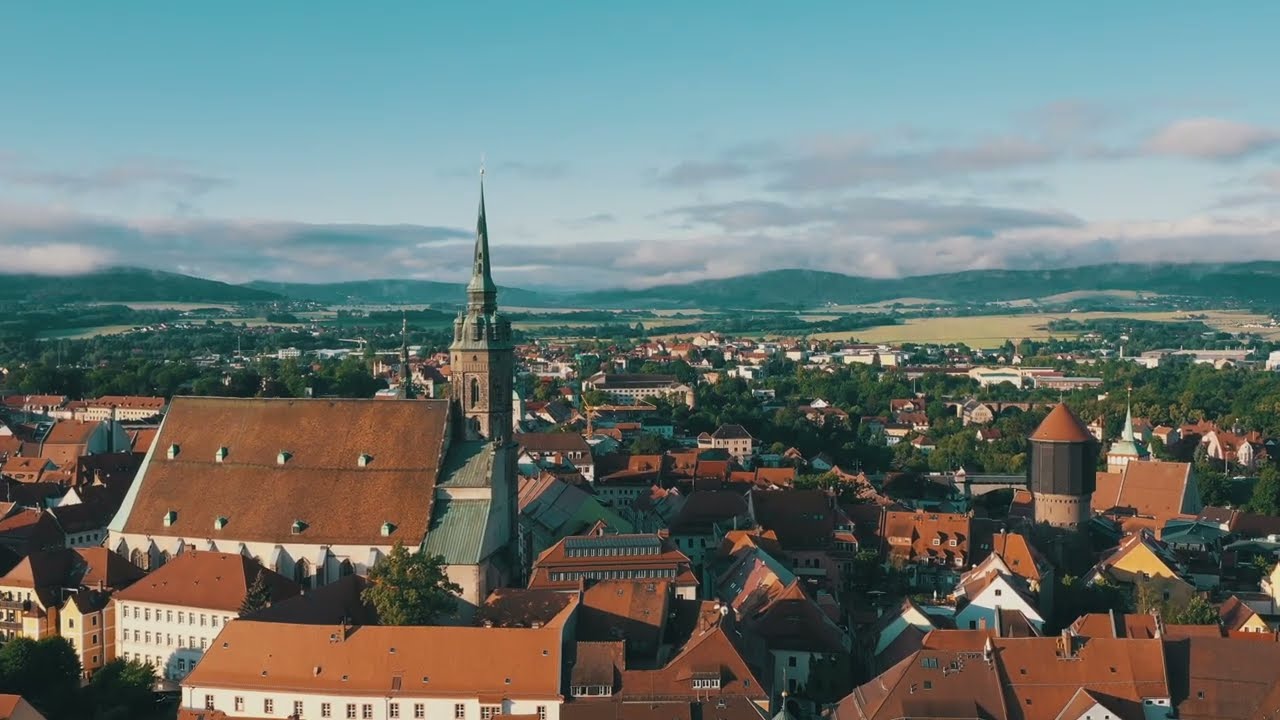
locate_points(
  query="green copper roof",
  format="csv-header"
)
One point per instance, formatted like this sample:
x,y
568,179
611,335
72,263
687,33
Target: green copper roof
x,y
457,530
469,464
481,272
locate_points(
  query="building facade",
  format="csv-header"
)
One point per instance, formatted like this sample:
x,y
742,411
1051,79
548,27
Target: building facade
x,y
1062,469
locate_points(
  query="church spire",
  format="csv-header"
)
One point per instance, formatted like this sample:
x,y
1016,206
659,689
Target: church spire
x,y
406,375
1127,432
482,293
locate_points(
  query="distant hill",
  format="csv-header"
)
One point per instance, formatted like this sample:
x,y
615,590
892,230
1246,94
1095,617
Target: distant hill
x,y
375,292
124,284
1258,281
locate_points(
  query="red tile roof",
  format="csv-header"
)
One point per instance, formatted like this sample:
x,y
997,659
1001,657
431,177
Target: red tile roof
x,y
321,482
1062,425
213,580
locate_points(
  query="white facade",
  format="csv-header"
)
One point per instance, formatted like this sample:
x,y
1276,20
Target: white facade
x,y
405,705
999,595
170,637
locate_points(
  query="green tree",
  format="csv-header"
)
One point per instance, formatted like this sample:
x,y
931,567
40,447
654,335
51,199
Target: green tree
x,y
1266,494
1196,611
45,672
410,588
647,444
257,597
122,690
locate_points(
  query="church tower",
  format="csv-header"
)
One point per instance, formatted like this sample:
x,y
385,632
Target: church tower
x,y
481,357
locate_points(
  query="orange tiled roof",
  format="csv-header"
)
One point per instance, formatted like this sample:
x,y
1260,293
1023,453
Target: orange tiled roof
x,y
320,483
213,580
1062,425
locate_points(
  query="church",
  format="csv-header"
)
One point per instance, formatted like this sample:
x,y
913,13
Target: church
x,y
318,489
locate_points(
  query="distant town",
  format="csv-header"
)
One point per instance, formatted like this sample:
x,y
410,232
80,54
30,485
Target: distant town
x,y
477,521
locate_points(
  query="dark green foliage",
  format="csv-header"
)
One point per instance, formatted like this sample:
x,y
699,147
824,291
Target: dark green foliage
x,y
122,690
127,285
1266,493
258,596
410,588
45,672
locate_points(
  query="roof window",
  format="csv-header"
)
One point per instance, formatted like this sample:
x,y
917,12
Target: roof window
x,y
297,527
220,454
364,460
170,518
174,450
283,457
388,528
220,522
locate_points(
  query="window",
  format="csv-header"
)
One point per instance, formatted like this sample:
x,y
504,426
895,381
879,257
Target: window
x,y
182,665
204,643
147,636
394,711
181,642
936,541
487,712
94,639
326,710
459,711
366,711
137,636
146,613
269,706
998,591
239,703
953,543
542,712
71,622
168,616
95,619
791,661
351,711
203,619
181,617
213,620
297,708
135,612
191,641
420,710
168,639
208,702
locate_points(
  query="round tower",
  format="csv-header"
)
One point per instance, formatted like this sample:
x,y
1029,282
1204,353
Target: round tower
x,y
1061,469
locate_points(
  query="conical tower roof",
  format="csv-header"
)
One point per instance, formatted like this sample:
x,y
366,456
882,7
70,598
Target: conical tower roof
x,y
1062,426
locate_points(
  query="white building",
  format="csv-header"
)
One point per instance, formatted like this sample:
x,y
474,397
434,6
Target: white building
x,y
347,479
991,594
171,617
279,670
631,389
124,408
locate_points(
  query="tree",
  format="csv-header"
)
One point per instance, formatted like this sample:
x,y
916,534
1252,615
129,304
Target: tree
x,y
122,690
257,597
647,444
46,672
410,588
1196,611
1266,494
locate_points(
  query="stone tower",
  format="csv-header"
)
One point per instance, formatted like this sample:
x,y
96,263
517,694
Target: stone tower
x,y
481,357
1062,471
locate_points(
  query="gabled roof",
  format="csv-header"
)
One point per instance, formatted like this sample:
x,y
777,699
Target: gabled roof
x,y
320,481
801,519
1155,489
518,607
71,432
366,660
794,622
731,432
547,442
1062,425
329,604
213,580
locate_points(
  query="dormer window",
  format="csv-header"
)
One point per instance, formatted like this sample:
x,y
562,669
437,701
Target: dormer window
x,y
388,528
364,460
706,683
283,457
220,454
952,543
219,522
937,542
173,451
297,527
170,518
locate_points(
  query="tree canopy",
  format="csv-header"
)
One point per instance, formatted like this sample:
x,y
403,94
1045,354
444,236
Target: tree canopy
x,y
411,588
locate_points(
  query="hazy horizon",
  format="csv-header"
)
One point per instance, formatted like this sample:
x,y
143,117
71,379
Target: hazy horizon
x,y
630,146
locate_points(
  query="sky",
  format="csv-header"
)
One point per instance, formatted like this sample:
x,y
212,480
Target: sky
x,y
634,144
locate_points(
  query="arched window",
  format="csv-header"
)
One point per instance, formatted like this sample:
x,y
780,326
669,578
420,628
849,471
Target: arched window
x,y
302,573
475,392
165,557
346,568
137,559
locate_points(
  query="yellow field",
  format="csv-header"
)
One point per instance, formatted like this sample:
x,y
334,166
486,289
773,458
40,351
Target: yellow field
x,y
992,330
82,333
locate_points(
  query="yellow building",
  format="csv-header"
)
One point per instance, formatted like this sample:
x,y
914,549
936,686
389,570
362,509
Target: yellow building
x,y
1141,560
87,621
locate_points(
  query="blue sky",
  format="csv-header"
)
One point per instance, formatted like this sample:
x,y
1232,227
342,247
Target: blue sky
x,y
634,143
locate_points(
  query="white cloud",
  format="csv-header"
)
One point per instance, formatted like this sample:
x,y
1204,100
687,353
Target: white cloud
x,y
1211,139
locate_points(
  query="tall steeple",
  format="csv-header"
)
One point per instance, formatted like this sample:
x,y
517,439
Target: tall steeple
x,y
481,355
1127,433
406,375
482,293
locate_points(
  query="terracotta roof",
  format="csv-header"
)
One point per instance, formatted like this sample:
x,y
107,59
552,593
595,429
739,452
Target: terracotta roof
x,y
142,439
731,432
13,706
794,622
132,402
801,519
326,605
1153,488
634,610
598,663
1225,679
70,432
213,580
553,442
1234,613
910,535
590,557
320,483
702,509
722,708
1062,425
1019,555
517,607
108,568
1115,625
365,660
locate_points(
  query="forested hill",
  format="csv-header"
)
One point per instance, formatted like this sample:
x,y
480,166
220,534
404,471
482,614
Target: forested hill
x,y
395,291
1245,282
124,284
